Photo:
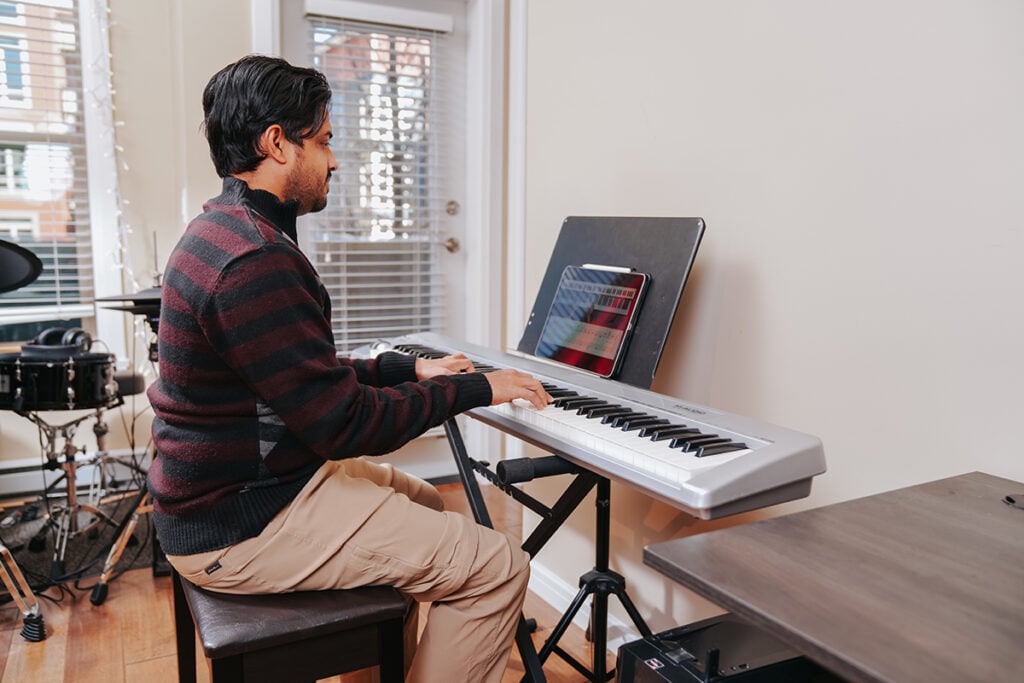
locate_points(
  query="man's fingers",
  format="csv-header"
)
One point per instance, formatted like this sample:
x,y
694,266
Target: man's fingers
x,y
536,394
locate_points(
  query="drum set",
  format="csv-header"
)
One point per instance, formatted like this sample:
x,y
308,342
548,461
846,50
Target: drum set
x,y
58,371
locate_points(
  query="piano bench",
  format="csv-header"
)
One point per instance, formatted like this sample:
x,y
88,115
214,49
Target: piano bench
x,y
290,636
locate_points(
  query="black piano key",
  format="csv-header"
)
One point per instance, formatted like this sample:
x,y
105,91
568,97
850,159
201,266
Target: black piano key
x,y
561,393
634,425
663,433
571,402
652,430
681,441
619,421
630,423
482,367
717,449
421,351
692,445
601,410
609,417
582,408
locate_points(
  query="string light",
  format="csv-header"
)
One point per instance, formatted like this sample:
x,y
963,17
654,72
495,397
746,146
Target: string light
x,y
103,99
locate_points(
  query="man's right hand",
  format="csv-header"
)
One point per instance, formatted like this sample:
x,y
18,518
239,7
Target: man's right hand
x,y
509,384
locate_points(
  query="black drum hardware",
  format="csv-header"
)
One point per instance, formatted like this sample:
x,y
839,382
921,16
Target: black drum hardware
x,y
147,304
19,267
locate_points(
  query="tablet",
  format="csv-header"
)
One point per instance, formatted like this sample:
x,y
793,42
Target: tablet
x,y
591,318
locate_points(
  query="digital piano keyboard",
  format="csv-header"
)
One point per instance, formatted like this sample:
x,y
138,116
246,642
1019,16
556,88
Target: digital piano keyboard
x,y
706,462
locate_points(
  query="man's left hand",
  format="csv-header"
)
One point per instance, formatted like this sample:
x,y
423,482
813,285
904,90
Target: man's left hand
x,y
449,365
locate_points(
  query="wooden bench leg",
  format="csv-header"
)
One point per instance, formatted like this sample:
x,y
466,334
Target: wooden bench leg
x,y
184,633
392,649
227,670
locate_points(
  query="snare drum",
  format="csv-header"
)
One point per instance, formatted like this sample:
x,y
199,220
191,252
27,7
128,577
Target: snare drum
x,y
83,380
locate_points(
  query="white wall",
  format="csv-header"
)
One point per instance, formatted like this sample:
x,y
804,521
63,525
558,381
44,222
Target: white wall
x,y
859,166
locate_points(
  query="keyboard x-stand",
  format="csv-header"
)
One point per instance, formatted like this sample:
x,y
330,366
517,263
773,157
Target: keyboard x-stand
x,y
599,582
706,462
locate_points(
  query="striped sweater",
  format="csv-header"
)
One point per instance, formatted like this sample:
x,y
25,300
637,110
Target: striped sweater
x,y
252,397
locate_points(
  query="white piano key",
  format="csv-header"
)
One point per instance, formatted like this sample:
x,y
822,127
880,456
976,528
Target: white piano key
x,y
625,448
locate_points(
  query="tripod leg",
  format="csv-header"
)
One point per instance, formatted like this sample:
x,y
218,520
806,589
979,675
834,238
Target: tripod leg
x,y
563,623
60,545
634,613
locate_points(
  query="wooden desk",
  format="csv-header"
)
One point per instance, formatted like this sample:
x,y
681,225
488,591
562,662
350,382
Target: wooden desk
x,y
924,583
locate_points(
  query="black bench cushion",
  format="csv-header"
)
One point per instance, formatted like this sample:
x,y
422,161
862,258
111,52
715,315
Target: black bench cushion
x,y
229,624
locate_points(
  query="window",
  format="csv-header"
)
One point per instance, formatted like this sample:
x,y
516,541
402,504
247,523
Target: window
x,y
12,69
44,201
376,245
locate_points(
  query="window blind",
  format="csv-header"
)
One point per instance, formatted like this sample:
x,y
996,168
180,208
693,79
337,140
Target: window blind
x,y
44,203
376,244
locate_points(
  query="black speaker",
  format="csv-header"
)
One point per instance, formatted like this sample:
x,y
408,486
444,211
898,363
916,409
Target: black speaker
x,y
720,649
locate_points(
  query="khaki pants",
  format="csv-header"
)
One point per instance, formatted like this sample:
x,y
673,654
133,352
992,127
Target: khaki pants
x,y
358,523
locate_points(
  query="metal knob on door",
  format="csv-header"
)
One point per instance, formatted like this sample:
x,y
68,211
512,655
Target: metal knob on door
x,y
452,245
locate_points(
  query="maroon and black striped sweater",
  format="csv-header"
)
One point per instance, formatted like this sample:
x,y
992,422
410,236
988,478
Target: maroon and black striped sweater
x,y
252,397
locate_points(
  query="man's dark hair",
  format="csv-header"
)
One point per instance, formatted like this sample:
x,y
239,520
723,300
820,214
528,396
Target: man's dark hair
x,y
243,99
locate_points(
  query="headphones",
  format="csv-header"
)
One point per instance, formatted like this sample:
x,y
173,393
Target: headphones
x,y
58,343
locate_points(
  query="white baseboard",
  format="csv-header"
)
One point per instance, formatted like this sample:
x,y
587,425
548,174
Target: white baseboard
x,y
27,476
550,588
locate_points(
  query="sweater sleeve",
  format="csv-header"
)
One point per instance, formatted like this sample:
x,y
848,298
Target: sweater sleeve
x,y
385,370
265,320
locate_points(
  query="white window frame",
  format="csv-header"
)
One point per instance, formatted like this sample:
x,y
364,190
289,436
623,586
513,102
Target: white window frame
x,y
102,178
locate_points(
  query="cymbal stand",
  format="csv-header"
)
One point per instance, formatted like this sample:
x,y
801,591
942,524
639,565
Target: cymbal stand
x,y
33,629
67,526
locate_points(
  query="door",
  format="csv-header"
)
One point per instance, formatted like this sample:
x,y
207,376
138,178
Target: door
x,y
393,246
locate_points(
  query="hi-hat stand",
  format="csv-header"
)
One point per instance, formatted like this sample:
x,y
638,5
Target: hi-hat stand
x,y
599,583
66,517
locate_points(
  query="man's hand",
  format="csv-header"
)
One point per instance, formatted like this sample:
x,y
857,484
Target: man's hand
x,y
507,385
449,365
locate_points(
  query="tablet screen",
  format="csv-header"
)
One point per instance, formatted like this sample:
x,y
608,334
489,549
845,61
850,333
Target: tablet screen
x,y
591,318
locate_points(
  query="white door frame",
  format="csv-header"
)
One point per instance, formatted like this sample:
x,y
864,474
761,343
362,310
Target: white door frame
x,y
484,210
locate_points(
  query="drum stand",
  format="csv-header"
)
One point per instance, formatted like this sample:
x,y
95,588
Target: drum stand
x,y
33,629
67,523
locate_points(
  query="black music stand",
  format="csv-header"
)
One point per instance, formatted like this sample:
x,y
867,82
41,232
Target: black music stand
x,y
665,249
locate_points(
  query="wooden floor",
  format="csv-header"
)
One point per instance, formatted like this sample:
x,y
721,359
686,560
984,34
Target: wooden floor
x,y
130,637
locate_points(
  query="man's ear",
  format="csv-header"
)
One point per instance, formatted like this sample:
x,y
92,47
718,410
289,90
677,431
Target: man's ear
x,y
272,143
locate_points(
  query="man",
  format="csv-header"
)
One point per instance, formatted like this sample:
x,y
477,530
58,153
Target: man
x,y
258,424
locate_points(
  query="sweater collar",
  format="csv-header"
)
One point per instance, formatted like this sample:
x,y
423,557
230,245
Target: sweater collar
x,y
281,214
